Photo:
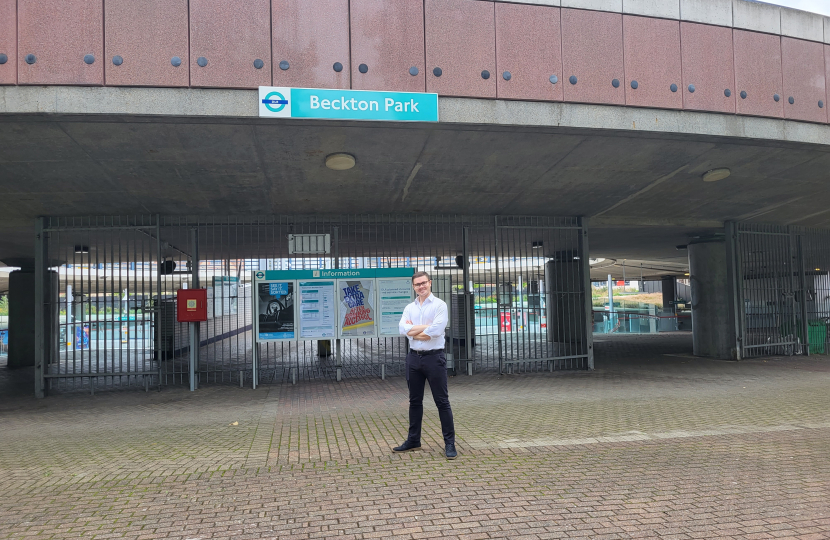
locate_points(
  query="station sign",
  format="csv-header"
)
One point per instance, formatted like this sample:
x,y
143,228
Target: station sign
x,y
328,104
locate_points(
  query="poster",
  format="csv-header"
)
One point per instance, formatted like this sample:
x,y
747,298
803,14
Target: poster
x,y
357,307
318,309
81,338
394,295
275,319
226,296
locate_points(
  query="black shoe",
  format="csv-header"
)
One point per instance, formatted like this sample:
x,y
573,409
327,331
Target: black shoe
x,y
450,451
407,446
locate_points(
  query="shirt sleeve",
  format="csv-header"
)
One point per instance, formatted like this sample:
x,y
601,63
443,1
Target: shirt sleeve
x,y
403,328
439,322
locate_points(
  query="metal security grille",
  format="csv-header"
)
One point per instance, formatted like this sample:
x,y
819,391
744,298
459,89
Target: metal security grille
x,y
768,294
815,250
784,289
515,287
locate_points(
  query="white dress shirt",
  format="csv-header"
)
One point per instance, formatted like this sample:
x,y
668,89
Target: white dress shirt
x,y
433,312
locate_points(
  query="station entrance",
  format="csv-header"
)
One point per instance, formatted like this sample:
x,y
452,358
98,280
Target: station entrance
x,y
515,287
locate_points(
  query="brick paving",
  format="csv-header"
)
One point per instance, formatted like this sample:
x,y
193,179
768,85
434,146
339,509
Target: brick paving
x,y
653,444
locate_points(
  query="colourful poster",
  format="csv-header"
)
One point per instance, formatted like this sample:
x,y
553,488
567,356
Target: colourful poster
x,y
81,338
357,308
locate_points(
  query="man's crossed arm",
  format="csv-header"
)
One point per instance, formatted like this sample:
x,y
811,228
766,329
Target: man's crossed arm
x,y
417,332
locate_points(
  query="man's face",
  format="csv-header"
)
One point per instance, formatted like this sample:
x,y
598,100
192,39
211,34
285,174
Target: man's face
x,y
422,286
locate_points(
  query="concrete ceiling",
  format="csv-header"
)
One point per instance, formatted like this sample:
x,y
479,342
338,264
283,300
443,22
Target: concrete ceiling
x,y
643,191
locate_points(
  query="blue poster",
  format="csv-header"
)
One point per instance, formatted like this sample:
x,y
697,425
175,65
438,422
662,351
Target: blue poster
x,y
81,338
276,311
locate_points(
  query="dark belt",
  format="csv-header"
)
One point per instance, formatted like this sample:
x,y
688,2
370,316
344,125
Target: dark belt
x,y
426,353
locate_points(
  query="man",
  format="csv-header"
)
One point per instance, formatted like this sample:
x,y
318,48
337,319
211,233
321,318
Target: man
x,y
423,322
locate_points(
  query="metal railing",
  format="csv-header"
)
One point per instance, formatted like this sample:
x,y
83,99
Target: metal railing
x,y
515,287
783,291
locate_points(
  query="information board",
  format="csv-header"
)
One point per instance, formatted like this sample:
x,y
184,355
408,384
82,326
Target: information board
x,y
330,303
276,317
225,295
318,309
394,294
357,307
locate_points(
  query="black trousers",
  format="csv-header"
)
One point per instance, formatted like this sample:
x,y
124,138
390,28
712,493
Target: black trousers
x,y
419,370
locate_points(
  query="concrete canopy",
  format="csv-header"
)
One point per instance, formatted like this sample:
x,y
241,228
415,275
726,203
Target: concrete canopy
x,y
641,188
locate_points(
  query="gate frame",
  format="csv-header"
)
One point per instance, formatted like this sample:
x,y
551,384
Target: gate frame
x,y
796,270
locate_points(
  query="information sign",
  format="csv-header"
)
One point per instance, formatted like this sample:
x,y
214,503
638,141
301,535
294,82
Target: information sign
x,y
330,303
394,295
275,318
318,309
226,294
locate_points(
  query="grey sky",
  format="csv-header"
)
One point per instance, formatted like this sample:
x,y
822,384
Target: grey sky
x,y
816,6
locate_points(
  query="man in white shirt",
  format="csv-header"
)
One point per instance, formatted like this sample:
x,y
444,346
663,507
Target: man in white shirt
x,y
423,322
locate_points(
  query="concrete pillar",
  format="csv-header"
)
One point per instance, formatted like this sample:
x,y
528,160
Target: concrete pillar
x,y
565,306
22,315
22,318
713,325
669,286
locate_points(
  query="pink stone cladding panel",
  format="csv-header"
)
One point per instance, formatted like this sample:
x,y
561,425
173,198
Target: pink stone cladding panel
x,y
652,59
146,35
231,35
827,77
529,46
758,73
8,41
708,64
592,51
803,70
60,34
388,36
460,40
311,35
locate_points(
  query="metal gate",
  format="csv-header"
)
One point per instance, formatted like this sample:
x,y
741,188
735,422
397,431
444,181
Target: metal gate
x,y
515,287
783,291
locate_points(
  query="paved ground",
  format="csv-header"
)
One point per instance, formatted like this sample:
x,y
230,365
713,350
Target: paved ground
x,y
654,443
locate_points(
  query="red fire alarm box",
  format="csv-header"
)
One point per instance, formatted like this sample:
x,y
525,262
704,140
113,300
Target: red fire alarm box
x,y
191,305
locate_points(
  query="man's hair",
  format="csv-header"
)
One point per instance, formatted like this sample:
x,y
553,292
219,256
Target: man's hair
x,y
419,274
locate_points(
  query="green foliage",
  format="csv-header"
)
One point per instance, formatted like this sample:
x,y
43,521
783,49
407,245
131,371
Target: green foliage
x,y
4,305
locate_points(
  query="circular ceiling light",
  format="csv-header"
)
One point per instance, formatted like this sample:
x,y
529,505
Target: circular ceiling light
x,y
716,174
339,162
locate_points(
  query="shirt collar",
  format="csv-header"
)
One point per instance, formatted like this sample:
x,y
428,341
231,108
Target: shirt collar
x,y
429,298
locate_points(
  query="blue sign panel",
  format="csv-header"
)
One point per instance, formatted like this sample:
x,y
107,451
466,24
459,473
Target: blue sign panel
x,y
278,289
354,273
282,102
